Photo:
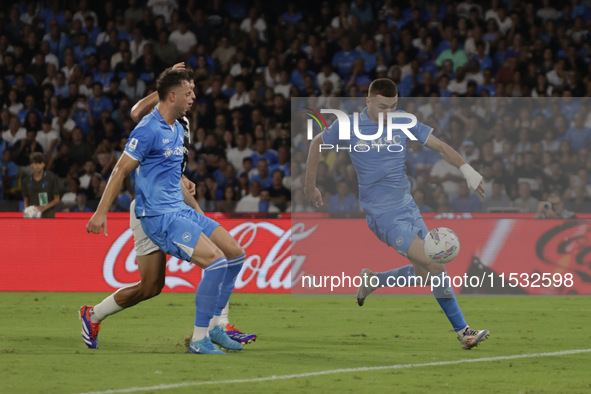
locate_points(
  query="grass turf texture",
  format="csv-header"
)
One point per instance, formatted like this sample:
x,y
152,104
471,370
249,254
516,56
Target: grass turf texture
x,y
41,348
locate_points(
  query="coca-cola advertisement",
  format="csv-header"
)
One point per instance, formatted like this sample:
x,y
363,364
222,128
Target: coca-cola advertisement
x,y
58,255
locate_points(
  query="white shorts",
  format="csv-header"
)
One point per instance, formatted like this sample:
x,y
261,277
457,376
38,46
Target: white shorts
x,y
143,245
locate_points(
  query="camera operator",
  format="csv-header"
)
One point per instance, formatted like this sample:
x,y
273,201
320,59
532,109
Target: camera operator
x,y
553,208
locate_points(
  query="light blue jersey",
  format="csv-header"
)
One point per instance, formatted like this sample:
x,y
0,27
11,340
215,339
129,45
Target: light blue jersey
x,y
383,184
158,147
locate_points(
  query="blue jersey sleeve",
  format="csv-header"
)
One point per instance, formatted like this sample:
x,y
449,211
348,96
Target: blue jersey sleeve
x,y
139,143
421,131
331,136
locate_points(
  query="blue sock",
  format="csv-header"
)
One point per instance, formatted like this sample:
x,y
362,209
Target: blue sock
x,y
234,267
390,278
208,291
446,297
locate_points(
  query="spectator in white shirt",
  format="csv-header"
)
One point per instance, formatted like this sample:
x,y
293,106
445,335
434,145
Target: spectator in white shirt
x,y
255,22
240,97
163,7
47,137
14,133
133,87
184,40
250,202
239,152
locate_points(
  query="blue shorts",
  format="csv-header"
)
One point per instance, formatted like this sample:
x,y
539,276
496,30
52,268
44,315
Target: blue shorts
x,y
398,228
177,233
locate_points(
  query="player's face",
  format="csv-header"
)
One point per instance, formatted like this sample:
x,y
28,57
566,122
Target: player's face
x,y
184,97
382,104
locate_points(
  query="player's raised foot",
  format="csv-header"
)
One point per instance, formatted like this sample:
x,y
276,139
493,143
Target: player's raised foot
x,y
204,346
90,330
470,338
220,338
366,288
239,336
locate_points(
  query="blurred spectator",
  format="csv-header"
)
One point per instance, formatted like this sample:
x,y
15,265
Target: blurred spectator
x,y
80,150
228,202
184,40
578,135
81,204
9,172
261,152
343,201
236,154
278,193
262,175
250,202
419,197
525,202
498,199
22,151
41,188
203,198
553,208
265,204
47,138
454,53
133,87
99,102
466,201
163,7
14,133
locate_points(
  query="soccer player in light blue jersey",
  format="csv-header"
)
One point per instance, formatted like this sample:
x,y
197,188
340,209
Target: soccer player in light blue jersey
x,y
155,152
385,195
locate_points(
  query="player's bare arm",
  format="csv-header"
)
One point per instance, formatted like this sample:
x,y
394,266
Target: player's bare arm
x,y
188,196
124,166
144,106
450,155
310,190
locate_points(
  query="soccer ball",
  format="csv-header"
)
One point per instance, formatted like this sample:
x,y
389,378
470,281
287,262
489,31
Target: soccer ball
x,y
442,245
31,212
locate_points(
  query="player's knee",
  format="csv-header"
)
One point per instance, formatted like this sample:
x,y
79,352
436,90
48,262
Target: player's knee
x,y
150,290
213,254
235,251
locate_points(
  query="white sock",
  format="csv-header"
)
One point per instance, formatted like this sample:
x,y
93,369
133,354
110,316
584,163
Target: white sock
x,y
106,308
199,333
224,317
462,330
215,321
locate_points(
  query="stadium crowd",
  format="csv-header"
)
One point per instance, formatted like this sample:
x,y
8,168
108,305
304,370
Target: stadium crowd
x,y
70,72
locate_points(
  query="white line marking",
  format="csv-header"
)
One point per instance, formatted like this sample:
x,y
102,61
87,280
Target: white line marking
x,y
335,371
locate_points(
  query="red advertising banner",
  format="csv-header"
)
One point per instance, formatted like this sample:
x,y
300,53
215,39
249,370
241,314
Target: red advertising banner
x,y
58,255
498,256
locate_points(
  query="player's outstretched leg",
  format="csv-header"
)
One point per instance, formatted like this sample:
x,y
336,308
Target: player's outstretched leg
x,y
445,295
399,277
152,269
235,255
366,287
210,257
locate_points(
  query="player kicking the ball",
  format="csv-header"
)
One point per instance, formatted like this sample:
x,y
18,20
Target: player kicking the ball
x,y
168,222
391,213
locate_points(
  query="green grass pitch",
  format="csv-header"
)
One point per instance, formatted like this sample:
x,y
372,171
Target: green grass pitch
x,y
142,349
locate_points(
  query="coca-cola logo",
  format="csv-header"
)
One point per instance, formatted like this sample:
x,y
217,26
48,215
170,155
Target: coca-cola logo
x,y
567,247
269,262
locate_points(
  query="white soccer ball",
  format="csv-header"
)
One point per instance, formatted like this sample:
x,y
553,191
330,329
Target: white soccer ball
x,y
442,245
31,212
